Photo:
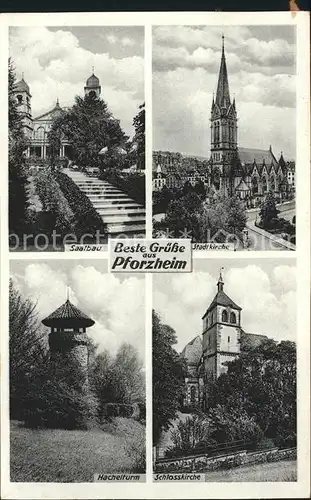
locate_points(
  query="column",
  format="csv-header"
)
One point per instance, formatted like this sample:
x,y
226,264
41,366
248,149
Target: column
x,y
44,151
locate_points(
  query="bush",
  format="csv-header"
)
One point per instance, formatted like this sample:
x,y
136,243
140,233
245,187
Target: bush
x,y
60,406
57,212
132,184
111,410
192,433
87,220
135,442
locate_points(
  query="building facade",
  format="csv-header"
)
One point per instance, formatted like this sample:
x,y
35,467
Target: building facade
x,y
229,170
222,340
36,129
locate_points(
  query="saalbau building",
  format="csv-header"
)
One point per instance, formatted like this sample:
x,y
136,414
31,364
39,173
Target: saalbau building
x,y
222,340
37,129
229,170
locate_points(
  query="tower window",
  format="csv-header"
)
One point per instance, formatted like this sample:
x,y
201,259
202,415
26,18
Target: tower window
x,y
20,99
224,317
228,339
232,318
192,394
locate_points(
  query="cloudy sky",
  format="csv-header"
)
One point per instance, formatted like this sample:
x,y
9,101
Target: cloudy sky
x,y
261,68
56,62
266,292
114,302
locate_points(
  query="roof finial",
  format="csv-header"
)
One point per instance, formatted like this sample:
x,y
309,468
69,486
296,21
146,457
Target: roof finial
x,y
93,69
220,283
67,292
23,75
57,102
223,43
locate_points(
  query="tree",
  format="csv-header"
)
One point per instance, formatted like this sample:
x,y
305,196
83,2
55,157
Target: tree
x,y
118,379
227,215
262,383
183,214
168,376
17,169
139,137
268,211
27,348
89,127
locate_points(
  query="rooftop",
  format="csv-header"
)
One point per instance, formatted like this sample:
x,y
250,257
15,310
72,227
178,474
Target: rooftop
x,y
68,315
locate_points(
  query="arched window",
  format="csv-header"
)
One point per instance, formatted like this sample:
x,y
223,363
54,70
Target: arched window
x,y
20,99
224,316
192,394
232,318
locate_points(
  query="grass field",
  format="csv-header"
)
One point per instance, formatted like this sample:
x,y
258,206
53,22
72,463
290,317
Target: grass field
x,y
57,455
285,470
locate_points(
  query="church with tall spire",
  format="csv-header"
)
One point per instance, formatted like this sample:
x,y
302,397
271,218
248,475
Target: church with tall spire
x,y
227,169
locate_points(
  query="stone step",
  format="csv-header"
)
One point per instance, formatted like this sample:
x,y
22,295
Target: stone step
x,y
123,219
100,190
121,228
114,203
98,199
121,211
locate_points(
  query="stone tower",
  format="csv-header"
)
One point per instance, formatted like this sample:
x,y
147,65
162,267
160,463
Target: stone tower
x,y
92,86
68,341
221,333
223,130
23,97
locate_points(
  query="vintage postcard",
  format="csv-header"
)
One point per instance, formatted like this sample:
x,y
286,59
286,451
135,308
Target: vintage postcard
x,y
155,251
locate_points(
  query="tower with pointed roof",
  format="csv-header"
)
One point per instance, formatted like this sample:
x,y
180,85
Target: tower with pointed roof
x,y
68,340
92,86
23,97
221,332
223,129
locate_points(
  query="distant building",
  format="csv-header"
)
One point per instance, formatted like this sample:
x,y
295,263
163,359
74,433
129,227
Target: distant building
x,y
229,170
222,340
36,129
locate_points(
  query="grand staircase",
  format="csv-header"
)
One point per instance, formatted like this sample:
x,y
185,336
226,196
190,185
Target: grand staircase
x,y
121,214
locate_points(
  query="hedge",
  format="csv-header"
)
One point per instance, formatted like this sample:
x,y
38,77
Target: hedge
x,y
87,220
132,184
57,213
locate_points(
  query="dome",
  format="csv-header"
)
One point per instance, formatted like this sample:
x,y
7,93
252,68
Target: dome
x,y
92,81
68,315
21,86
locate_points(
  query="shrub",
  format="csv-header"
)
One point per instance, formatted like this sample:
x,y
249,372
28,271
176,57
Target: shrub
x,y
192,433
58,214
132,184
87,220
111,410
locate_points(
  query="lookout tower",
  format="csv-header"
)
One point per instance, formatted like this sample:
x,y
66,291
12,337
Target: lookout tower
x,y
68,340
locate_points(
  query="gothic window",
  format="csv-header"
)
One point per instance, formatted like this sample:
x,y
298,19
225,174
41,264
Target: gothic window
x,y
192,394
224,317
20,99
228,339
40,133
233,318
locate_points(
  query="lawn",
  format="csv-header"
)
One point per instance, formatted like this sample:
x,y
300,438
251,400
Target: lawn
x,y
57,455
285,470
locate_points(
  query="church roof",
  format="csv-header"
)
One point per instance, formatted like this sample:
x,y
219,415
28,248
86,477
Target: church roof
x,y
192,352
242,187
251,340
249,155
222,94
92,81
21,86
68,315
222,299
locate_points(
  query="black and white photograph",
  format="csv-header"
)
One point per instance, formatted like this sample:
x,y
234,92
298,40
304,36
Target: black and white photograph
x,y
77,372
224,371
76,135
224,129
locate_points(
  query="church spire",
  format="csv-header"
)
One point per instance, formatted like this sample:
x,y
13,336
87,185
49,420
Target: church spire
x,y
220,284
222,94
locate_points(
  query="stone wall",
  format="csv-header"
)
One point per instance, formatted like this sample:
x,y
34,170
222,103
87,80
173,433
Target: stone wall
x,y
203,463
